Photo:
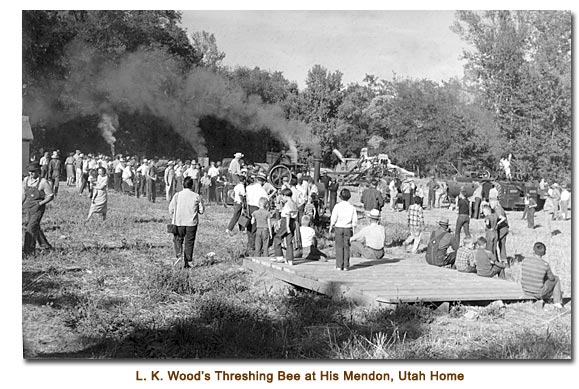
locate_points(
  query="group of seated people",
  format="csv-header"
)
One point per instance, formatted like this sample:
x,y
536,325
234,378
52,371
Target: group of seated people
x,y
537,279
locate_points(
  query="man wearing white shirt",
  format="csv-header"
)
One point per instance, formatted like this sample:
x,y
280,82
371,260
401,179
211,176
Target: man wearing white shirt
x,y
235,168
344,219
254,192
119,174
142,171
564,202
127,177
369,241
238,201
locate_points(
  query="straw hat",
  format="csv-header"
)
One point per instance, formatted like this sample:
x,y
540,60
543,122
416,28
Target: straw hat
x,y
443,222
374,214
238,155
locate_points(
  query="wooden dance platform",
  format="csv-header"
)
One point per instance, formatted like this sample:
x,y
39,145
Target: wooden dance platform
x,y
389,281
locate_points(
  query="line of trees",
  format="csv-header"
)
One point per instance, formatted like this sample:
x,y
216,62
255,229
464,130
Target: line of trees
x,y
515,96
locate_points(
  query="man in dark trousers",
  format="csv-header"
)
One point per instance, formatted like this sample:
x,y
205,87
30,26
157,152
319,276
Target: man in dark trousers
x,y
486,187
440,240
372,198
325,179
463,219
36,193
432,186
54,168
333,191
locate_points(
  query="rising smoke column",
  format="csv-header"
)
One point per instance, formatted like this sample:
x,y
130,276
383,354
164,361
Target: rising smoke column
x,y
108,126
153,81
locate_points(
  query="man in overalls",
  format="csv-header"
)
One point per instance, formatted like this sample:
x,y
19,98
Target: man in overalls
x,y
36,193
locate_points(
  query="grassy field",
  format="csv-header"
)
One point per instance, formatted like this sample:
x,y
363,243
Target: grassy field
x,y
110,290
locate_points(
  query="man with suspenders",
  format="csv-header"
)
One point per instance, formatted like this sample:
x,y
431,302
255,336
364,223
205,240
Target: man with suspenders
x,y
36,193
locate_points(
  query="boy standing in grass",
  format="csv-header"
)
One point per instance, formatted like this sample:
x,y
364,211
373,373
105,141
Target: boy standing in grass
x,y
262,220
486,263
537,279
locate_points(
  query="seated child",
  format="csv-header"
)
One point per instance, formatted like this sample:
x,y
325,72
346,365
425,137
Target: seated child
x,y
486,263
309,241
465,260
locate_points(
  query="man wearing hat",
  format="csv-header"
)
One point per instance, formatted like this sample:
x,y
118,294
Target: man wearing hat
x,y
54,171
235,167
371,197
36,193
440,240
369,241
254,192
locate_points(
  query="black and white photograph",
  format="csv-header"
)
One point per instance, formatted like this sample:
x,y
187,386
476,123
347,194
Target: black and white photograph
x,y
297,186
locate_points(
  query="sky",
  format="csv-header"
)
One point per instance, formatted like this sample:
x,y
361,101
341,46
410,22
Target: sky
x,y
414,44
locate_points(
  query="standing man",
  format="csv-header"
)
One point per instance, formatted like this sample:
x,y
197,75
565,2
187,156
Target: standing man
x,y
36,193
54,172
195,174
486,188
185,208
432,186
463,219
119,166
239,201
44,161
325,180
556,195
235,168
542,192
152,182
393,194
213,174
143,170
255,192
372,198
477,195
565,201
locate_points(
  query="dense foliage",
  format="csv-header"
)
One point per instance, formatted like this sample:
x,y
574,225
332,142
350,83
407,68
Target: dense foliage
x,y
515,96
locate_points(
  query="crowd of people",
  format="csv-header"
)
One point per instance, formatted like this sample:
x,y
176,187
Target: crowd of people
x,y
290,219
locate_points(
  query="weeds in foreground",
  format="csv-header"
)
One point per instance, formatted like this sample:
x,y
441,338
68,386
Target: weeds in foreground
x,y
118,296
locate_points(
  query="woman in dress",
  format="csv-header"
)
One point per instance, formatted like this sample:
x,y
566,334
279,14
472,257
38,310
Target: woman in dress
x,y
99,195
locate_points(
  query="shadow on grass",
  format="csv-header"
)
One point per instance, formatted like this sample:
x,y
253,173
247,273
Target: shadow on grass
x,y
305,326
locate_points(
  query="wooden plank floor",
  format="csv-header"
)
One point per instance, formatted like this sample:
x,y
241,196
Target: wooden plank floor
x,y
389,281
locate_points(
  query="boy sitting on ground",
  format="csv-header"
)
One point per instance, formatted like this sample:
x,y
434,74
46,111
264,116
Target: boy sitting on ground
x,y
465,260
486,263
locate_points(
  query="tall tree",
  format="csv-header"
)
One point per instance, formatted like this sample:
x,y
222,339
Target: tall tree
x,y
521,66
